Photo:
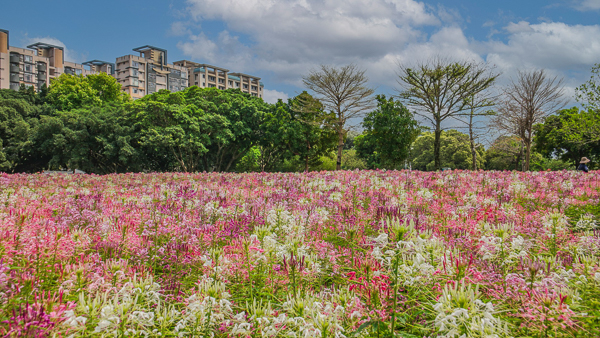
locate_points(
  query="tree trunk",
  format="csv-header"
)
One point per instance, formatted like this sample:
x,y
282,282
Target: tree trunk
x,y
340,149
520,159
307,156
472,141
436,146
527,155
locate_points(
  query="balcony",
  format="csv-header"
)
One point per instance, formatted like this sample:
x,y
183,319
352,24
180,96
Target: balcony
x,y
14,69
14,77
41,67
15,86
14,58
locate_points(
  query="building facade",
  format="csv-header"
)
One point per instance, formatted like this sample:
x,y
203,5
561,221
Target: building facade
x,y
35,65
149,72
208,76
139,75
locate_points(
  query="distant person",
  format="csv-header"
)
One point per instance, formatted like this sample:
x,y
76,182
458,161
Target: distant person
x,y
583,165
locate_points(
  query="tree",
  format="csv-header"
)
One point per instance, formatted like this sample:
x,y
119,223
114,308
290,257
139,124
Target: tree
x,y
94,139
310,135
18,116
454,152
439,90
69,92
569,135
527,101
588,94
477,107
244,114
389,132
107,87
177,130
344,91
504,153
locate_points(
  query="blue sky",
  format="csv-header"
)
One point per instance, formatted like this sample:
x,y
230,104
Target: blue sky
x,y
280,40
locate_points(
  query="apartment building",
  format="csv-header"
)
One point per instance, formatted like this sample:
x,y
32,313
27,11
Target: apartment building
x,y
208,76
35,65
149,72
139,75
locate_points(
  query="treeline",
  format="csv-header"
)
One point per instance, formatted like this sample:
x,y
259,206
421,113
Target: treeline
x,y
89,124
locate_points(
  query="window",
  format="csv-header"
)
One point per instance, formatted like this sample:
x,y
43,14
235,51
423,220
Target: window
x,y
135,72
221,87
245,86
237,85
108,69
27,58
183,74
196,76
211,86
221,81
204,76
27,78
254,88
135,64
28,68
135,90
78,71
211,78
135,82
231,83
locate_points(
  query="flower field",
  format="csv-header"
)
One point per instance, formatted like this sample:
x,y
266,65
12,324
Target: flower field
x,y
330,254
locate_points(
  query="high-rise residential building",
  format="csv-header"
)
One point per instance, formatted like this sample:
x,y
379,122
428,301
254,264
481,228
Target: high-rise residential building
x,y
139,75
33,66
149,72
208,76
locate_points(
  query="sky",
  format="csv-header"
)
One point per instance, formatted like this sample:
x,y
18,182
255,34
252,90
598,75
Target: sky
x,y
281,40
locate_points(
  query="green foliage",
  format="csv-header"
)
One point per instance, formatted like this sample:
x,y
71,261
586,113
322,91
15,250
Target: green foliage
x,y
505,153
455,151
172,129
569,135
389,132
541,163
351,160
18,116
96,140
250,162
588,94
69,92
310,134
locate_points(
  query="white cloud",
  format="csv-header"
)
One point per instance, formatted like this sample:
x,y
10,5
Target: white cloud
x,y
554,46
70,55
287,38
271,96
587,5
179,28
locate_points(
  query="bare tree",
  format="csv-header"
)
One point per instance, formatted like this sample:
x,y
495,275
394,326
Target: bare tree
x,y
478,107
527,101
344,91
439,89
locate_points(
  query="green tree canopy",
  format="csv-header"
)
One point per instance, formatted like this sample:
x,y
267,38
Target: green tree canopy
x,y
69,92
569,135
389,132
18,116
93,139
505,153
455,151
